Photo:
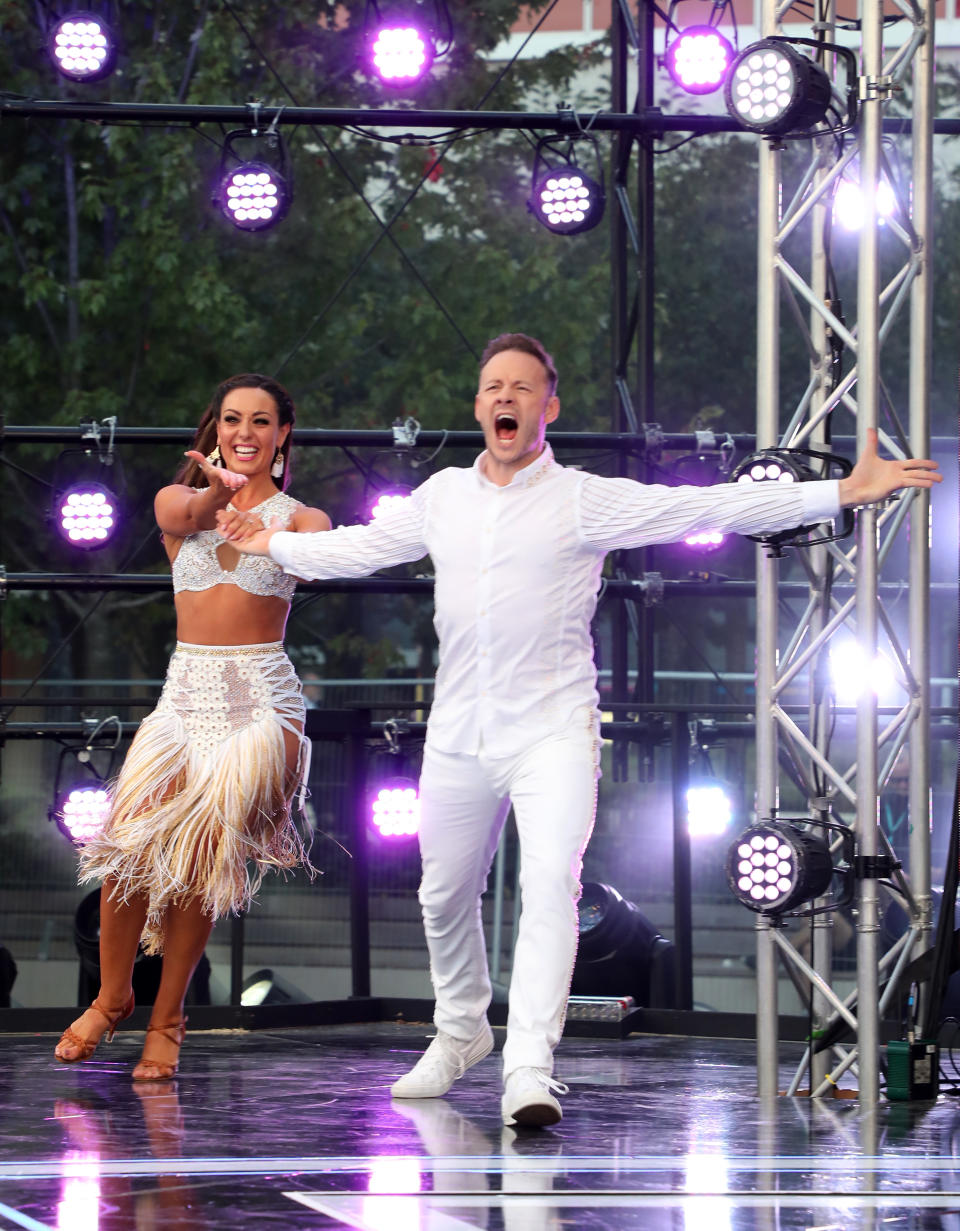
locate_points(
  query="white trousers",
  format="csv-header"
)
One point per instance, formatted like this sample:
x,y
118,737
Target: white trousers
x,y
464,801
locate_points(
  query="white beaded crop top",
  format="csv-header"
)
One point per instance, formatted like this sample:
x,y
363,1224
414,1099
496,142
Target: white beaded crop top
x,y
197,566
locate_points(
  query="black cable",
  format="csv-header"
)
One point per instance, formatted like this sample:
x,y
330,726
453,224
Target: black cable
x,y
944,944
385,228
51,659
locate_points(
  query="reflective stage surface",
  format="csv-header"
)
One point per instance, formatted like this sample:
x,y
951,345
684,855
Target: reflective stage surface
x,y
296,1129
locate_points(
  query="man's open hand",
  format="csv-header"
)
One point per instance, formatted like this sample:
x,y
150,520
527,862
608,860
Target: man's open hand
x,y
239,530
874,477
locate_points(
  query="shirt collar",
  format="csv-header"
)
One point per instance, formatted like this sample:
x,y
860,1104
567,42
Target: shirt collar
x,y
523,478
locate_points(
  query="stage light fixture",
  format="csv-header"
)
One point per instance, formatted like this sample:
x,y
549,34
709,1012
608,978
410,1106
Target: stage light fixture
x,y
386,500
793,466
705,540
395,809
82,47
852,675
774,867
564,198
80,811
774,89
698,59
254,194
621,953
84,510
848,204
87,515
709,809
400,54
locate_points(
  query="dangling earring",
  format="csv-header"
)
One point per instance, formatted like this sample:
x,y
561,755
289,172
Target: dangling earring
x,y
276,470
214,458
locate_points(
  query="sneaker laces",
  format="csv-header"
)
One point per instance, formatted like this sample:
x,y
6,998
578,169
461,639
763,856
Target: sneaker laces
x,y
441,1053
542,1079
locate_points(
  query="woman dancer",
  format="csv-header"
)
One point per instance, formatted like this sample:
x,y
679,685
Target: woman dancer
x,y
207,784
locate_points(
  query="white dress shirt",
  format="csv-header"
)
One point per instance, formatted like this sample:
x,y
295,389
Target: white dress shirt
x,y
517,575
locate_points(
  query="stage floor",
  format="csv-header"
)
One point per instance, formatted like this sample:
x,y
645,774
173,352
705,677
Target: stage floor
x,y
296,1128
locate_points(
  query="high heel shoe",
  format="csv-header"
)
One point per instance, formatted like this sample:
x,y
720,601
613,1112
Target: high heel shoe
x,y
160,1070
86,1047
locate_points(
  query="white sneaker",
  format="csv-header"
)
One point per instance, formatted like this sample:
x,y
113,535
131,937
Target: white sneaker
x,y
442,1063
528,1101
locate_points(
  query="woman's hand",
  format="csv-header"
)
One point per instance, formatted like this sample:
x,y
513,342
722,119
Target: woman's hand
x,y
237,526
256,542
217,476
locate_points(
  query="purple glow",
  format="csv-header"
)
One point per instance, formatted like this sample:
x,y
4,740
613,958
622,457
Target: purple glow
x,y
699,59
386,501
253,196
82,812
401,55
396,810
705,539
82,47
86,516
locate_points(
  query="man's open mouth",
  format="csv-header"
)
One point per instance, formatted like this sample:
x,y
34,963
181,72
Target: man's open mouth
x,y
505,425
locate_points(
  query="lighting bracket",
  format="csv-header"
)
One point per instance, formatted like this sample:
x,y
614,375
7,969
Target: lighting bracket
x,y
875,867
876,88
855,84
652,585
405,432
653,440
845,870
91,430
393,730
3,583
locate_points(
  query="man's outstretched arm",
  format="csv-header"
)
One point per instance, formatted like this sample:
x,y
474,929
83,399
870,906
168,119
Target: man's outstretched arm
x,y
351,551
874,477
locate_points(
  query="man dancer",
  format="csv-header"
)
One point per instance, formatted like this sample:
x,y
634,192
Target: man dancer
x,y
518,544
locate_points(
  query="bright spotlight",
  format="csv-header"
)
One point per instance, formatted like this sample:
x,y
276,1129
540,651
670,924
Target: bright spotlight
x,y
699,59
81,810
400,54
385,501
395,809
848,204
564,198
253,196
775,866
853,675
705,540
773,89
82,47
709,810
86,515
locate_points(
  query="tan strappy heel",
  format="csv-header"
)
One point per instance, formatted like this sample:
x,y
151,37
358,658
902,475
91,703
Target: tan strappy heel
x,y
86,1047
159,1070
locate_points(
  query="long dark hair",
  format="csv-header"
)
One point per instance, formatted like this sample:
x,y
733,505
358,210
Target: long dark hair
x,y
206,434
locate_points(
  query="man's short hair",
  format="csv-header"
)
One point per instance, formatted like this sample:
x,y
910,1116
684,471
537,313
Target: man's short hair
x,y
529,346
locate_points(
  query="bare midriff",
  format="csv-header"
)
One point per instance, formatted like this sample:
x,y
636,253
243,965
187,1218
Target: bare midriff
x,y
227,615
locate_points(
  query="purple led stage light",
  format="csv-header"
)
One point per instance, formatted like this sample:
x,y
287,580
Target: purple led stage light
x,y
82,47
254,196
705,540
81,812
567,200
699,59
87,515
766,471
400,55
385,501
395,810
775,866
773,88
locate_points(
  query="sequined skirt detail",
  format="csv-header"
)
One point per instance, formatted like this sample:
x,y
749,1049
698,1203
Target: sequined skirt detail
x,y
201,808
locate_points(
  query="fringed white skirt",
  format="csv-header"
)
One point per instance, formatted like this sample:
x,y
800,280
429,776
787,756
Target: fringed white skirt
x,y
202,806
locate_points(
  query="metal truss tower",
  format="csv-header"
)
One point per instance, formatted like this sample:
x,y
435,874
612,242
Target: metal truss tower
x,y
843,779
